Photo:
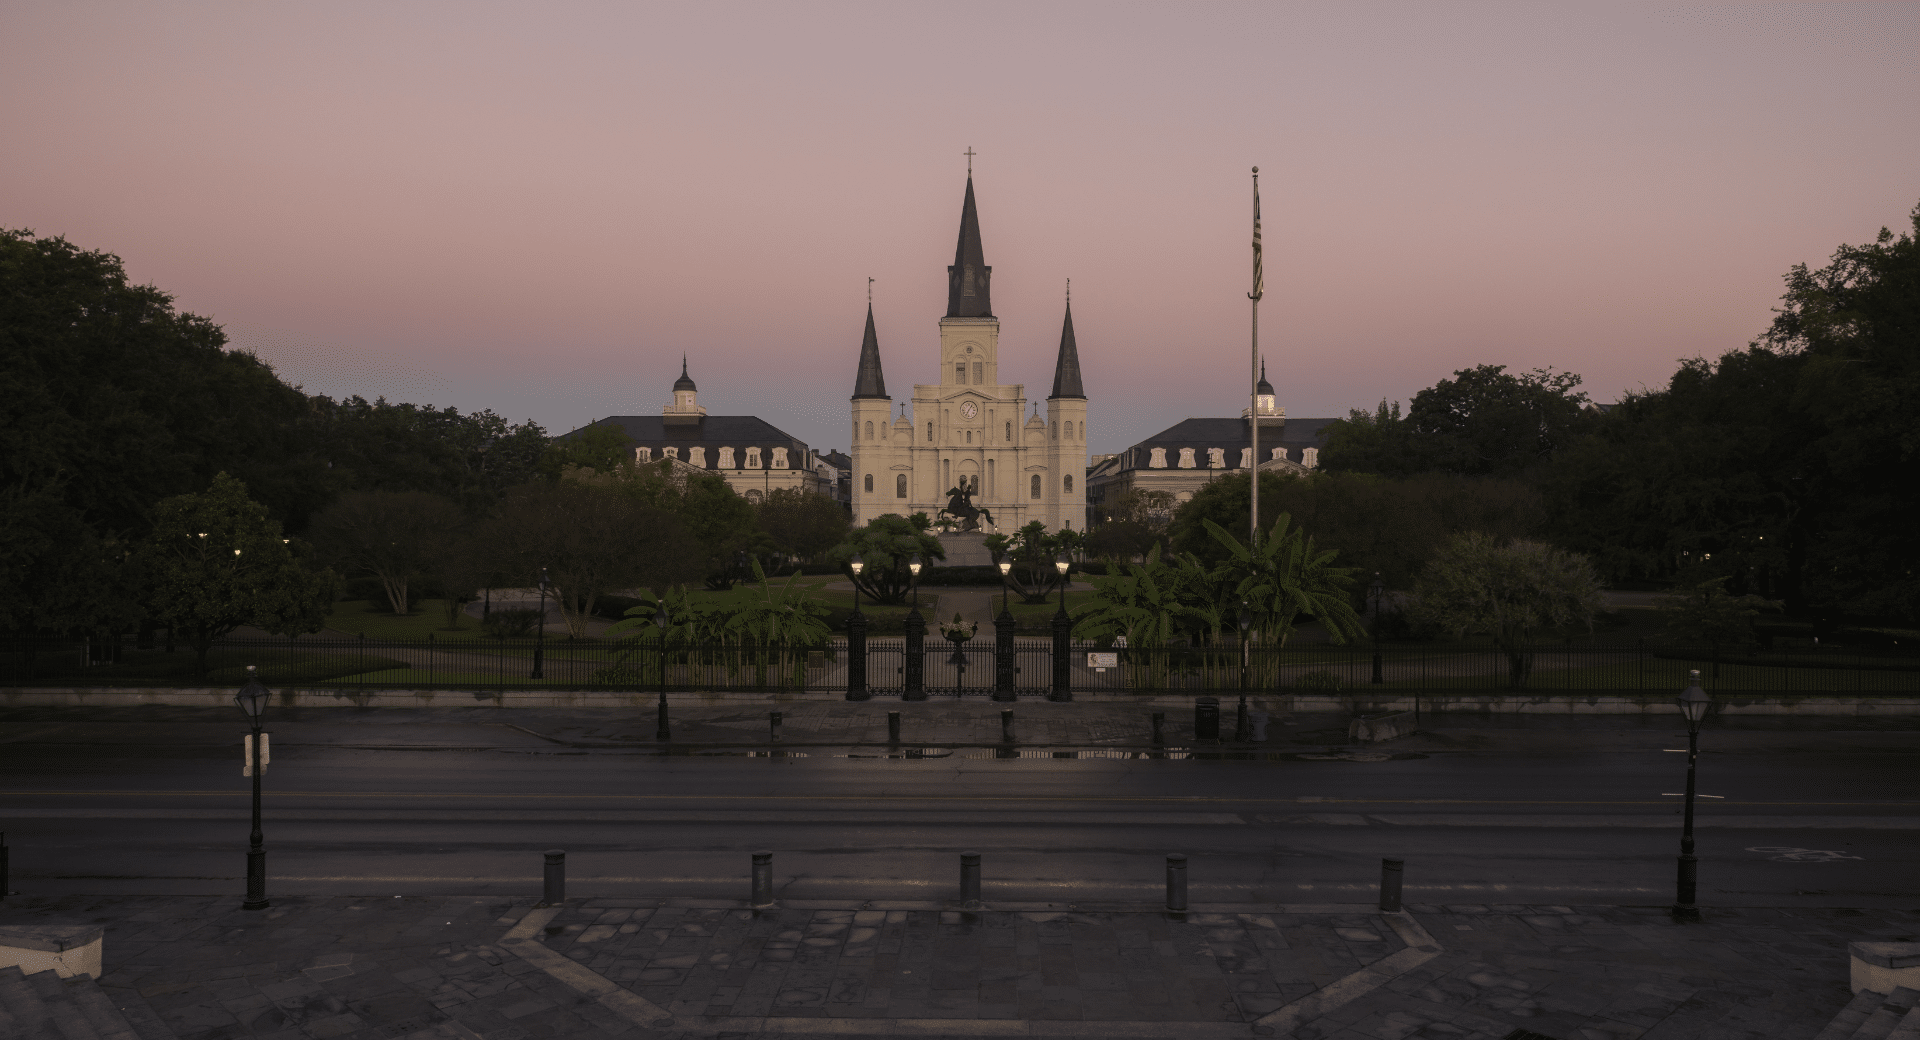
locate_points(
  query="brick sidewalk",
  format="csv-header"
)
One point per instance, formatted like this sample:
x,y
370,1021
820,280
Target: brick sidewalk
x,y
197,968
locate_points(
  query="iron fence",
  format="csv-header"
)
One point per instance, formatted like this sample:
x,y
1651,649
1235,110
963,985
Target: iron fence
x,y
1001,665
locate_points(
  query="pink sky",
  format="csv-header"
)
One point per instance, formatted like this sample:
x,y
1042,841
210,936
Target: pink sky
x,y
536,208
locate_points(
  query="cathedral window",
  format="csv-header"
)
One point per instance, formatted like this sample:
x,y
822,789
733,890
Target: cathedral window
x,y
779,458
929,432
643,454
869,431
673,453
969,436
1035,485
726,458
753,458
1009,432
960,372
979,373
1056,431
869,484
1069,429
1069,483
900,485
991,486
1186,458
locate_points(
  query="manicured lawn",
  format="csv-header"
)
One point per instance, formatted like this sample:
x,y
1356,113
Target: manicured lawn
x,y
376,620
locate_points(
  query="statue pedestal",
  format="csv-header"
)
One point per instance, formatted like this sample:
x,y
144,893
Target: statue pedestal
x,y
966,550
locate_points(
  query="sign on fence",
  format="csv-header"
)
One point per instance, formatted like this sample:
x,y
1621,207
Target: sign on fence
x,y
246,766
1102,662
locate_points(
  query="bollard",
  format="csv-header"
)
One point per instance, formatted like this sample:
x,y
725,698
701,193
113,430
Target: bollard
x,y
1390,871
1159,723
773,722
762,880
556,893
1176,883
893,727
1206,720
970,881
3,866
1006,725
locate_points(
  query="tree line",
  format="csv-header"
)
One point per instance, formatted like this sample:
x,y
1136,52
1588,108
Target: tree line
x,y
154,477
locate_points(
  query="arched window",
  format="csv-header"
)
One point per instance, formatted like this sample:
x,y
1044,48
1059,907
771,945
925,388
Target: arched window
x,y
753,458
869,431
929,431
900,486
643,454
1069,483
869,483
1035,493
1056,431
979,373
779,458
673,453
960,372
1009,432
726,458
969,436
753,497
1069,429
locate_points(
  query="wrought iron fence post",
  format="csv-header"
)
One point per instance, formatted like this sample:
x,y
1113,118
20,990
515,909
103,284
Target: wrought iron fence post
x,y
915,665
857,657
1003,657
1062,658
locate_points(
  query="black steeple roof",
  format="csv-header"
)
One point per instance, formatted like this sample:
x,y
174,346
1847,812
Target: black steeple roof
x,y
1263,388
869,383
1066,368
968,277
684,382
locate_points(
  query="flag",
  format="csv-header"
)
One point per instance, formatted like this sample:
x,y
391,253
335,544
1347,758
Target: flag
x,y
1259,276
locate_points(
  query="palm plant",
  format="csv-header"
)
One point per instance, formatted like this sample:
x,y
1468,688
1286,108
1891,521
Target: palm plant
x,y
1282,579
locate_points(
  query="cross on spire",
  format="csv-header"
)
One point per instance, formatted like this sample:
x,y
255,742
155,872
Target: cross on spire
x,y
969,153
869,292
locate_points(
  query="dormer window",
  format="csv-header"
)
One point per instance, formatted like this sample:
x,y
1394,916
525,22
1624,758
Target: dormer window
x,y
673,453
753,458
779,458
643,454
726,458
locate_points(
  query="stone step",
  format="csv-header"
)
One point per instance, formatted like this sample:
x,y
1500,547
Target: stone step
x,y
1874,1016
1909,1027
44,1006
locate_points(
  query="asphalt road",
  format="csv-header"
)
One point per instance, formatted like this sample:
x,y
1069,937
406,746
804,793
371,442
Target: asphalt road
x,y
1810,829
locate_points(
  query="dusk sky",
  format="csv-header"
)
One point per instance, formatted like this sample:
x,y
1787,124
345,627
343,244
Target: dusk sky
x,y
536,208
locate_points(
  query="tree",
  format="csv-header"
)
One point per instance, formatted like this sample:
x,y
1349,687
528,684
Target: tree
x,y
399,537
722,522
1120,540
884,545
1508,591
470,459
114,401
601,448
1379,442
1032,551
1148,507
1485,420
1704,612
1285,577
591,540
800,523
215,561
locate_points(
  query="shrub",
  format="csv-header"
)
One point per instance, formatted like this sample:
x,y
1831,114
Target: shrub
x,y
510,622
1318,679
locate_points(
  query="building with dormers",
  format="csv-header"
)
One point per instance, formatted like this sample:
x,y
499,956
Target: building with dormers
x,y
1184,457
970,429
753,455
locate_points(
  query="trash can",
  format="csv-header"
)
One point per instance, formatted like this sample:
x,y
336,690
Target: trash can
x,y
1206,718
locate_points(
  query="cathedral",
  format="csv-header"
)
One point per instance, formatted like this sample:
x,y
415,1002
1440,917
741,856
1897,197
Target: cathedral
x,y
970,432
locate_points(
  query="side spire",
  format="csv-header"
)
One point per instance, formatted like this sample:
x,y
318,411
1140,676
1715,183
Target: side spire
x,y
1263,388
1066,368
869,382
685,382
968,278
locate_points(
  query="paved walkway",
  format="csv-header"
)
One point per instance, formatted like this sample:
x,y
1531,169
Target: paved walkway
x,y
198,968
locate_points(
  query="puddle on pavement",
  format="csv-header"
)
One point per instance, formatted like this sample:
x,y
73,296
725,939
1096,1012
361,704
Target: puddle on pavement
x,y
1164,754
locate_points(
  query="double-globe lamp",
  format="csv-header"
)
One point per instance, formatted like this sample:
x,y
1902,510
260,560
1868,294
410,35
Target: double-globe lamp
x,y
252,700
1693,704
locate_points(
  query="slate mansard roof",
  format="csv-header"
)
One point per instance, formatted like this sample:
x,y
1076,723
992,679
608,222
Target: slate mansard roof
x,y
712,432
1201,434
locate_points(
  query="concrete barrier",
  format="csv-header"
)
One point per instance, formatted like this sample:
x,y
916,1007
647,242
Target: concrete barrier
x,y
1884,966
1369,728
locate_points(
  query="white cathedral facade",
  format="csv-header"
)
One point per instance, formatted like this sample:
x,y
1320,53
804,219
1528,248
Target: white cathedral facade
x,y
970,431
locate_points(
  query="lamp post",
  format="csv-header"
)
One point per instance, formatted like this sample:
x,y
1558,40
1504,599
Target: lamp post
x,y
1062,638
1006,566
540,629
663,730
1242,725
856,638
1003,645
1693,704
916,635
252,700
1374,593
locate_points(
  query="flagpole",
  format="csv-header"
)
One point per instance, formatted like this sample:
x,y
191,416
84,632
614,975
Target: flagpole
x,y
1253,379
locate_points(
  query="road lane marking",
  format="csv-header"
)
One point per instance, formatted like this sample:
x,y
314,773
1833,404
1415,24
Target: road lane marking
x,y
990,799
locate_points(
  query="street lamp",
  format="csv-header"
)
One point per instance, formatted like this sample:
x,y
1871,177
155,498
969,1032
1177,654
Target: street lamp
x,y
856,565
662,731
1005,566
1062,639
1375,592
1693,704
1061,564
540,629
252,699
1243,726
913,568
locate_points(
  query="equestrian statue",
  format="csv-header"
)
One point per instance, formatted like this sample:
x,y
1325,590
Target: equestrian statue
x,y
960,507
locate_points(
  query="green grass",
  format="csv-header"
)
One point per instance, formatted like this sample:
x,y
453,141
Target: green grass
x,y
376,620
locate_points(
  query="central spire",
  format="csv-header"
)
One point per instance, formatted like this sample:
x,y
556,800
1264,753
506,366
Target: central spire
x,y
967,279
868,382
1066,366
